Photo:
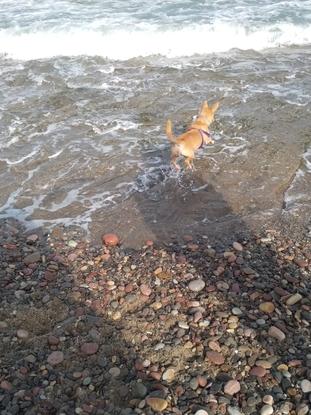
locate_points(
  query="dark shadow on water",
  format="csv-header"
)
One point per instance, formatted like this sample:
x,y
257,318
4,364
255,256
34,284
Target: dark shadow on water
x,y
188,204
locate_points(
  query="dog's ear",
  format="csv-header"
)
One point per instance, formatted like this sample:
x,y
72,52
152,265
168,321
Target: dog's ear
x,y
204,106
214,107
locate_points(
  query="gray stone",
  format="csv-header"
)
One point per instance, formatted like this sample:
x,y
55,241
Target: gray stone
x,y
139,390
237,311
196,285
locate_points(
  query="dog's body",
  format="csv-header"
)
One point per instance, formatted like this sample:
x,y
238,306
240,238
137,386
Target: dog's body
x,y
197,134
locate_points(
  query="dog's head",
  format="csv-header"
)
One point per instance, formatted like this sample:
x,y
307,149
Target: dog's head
x,y
207,112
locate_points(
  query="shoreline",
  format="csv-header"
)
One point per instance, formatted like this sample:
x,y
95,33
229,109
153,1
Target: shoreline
x,y
182,328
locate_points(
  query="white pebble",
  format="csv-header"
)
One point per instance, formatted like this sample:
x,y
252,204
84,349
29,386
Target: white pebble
x,y
266,410
201,412
305,386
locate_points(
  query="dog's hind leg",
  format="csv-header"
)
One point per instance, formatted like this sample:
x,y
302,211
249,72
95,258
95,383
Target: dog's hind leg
x,y
174,156
189,163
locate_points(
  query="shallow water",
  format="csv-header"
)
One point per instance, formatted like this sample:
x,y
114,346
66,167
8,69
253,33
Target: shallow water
x,y
82,137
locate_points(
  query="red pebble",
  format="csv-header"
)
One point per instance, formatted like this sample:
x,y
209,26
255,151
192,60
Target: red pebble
x,y
111,239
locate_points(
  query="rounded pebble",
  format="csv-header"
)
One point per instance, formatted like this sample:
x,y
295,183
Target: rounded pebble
x,y
89,348
145,290
276,333
55,358
267,307
22,334
215,357
305,386
266,410
110,239
268,399
196,285
232,387
157,404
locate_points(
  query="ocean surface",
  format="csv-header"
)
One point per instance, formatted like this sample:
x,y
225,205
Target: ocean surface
x,y
86,88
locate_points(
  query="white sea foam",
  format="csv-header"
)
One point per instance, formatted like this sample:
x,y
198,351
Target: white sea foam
x,y
294,196
151,40
53,156
11,162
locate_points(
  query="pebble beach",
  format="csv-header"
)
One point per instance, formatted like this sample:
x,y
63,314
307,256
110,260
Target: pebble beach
x,y
172,328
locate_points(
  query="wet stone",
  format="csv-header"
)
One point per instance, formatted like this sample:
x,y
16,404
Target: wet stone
x,y
32,238
110,239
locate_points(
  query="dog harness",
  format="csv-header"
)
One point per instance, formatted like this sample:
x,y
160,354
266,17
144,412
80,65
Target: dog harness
x,y
202,132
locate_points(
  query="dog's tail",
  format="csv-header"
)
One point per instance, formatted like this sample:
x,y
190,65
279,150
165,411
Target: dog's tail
x,y
169,131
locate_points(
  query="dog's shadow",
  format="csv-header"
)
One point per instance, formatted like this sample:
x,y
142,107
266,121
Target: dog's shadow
x,y
187,203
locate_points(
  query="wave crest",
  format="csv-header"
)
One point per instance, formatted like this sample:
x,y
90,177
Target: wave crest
x,y
127,44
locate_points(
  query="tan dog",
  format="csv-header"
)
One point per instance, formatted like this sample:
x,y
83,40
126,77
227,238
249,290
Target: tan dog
x,y
194,138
